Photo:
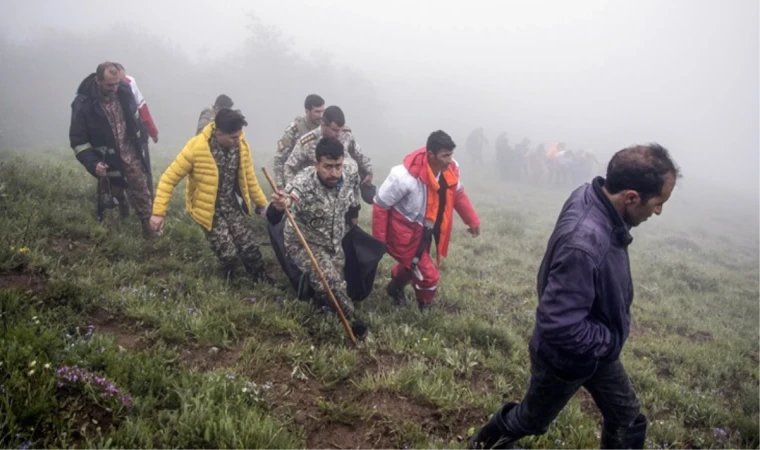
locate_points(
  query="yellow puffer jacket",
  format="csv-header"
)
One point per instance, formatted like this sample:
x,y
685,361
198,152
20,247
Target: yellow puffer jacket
x,y
200,194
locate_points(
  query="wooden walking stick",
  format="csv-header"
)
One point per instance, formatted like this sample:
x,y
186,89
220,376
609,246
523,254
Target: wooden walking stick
x,y
314,263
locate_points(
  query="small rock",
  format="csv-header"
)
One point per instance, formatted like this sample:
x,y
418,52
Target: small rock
x,y
213,351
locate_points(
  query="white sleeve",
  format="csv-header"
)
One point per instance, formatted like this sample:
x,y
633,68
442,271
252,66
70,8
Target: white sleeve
x,y
136,92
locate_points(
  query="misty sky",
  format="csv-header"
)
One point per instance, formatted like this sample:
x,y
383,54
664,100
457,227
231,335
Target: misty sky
x,y
596,74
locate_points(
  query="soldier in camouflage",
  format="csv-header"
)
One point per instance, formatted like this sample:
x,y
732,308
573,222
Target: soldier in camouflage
x,y
333,125
230,234
208,114
320,197
314,106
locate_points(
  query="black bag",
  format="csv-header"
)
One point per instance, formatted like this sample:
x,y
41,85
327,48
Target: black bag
x,y
362,252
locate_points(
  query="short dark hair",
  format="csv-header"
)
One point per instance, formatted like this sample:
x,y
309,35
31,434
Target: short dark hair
x,y
313,100
641,168
119,66
333,114
439,140
100,71
328,147
223,101
229,120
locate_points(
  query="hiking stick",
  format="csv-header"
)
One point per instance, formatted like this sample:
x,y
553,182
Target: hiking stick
x,y
314,263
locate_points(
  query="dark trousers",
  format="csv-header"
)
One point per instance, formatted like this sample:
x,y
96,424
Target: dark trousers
x,y
548,393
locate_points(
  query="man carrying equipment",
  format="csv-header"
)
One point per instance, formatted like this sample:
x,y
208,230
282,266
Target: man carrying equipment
x,y
105,133
320,197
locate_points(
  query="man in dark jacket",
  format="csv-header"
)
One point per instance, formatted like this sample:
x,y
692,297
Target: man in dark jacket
x,y
585,293
105,134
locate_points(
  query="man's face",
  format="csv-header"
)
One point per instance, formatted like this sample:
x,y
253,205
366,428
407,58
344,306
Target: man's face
x,y
315,115
228,140
329,171
333,130
109,84
637,212
441,160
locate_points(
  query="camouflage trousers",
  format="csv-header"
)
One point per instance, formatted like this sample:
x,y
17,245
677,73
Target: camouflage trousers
x,y
331,262
136,178
232,236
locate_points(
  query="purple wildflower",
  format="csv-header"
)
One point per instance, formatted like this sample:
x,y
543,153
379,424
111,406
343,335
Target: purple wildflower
x,y
720,434
252,300
75,375
25,445
191,310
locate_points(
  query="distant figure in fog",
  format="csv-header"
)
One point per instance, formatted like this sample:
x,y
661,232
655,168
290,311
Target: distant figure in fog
x,y
474,144
208,114
585,293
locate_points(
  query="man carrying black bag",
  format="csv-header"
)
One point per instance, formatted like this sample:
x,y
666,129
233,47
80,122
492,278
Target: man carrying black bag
x,y
325,204
362,252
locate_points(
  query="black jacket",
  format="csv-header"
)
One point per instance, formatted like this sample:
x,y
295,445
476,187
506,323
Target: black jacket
x,y
584,285
90,134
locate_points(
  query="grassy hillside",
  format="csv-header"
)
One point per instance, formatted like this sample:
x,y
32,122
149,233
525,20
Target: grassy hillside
x,y
110,341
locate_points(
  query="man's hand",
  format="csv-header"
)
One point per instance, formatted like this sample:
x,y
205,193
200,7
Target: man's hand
x,y
474,231
157,223
100,169
280,200
367,179
155,139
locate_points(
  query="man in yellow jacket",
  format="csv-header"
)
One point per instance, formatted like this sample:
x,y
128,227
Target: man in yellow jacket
x,y
220,166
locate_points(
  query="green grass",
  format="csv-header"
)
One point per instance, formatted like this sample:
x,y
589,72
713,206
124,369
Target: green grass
x,y
208,364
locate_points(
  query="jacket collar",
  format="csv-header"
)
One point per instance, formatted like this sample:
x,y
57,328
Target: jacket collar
x,y
620,229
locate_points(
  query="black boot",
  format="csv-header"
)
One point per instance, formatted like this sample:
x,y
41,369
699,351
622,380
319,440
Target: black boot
x,y
228,271
257,272
491,435
633,437
360,329
396,291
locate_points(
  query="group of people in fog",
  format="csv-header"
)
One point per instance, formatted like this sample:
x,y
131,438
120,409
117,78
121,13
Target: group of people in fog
x,y
323,177
556,165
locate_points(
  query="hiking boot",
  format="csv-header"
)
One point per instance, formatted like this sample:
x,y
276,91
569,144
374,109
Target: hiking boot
x,y
424,306
228,271
396,292
360,329
263,277
123,208
633,437
491,434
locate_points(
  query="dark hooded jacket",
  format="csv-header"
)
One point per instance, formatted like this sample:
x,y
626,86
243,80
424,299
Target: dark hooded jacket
x,y
90,134
584,285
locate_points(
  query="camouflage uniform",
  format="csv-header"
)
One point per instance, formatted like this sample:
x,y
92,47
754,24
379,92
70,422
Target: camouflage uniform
x,y
207,116
231,234
299,127
320,214
133,169
303,154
